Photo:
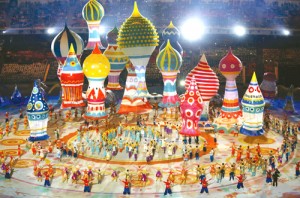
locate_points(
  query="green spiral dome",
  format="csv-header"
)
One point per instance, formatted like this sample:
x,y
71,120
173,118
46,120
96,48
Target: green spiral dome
x,y
168,59
137,31
93,11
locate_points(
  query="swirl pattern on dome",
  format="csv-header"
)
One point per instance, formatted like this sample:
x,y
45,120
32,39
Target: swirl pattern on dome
x,y
93,11
169,59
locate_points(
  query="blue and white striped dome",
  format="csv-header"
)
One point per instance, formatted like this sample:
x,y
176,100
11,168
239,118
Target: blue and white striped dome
x,y
62,42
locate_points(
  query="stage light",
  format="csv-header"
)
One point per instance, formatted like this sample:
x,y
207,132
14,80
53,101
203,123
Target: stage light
x,y
239,30
182,83
50,30
4,31
286,32
101,30
192,29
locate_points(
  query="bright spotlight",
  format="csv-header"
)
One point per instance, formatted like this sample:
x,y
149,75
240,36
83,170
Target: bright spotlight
x,y
4,31
192,29
286,32
182,83
239,30
50,30
101,30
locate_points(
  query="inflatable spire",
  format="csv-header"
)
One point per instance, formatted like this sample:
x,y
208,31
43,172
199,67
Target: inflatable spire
x,y
289,101
71,81
207,82
253,109
230,67
37,111
268,86
169,62
92,13
191,108
131,102
172,34
137,39
117,60
96,68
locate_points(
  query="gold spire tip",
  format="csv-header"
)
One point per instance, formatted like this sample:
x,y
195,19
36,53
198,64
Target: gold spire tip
x,y
254,79
71,49
136,12
171,25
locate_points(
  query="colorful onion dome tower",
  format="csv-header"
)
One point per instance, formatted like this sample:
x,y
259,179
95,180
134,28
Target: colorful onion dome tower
x,y
268,86
96,68
117,60
169,62
191,108
92,13
71,80
37,111
253,109
207,82
61,44
173,34
131,102
289,101
137,39
230,67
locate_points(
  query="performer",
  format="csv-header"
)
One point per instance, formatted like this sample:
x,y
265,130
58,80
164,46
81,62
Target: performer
x,y
204,183
126,187
168,187
115,176
158,175
47,179
8,171
240,183
275,177
297,169
87,187
19,151
269,176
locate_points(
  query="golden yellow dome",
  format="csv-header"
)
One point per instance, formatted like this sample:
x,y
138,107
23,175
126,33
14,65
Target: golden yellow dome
x,y
96,65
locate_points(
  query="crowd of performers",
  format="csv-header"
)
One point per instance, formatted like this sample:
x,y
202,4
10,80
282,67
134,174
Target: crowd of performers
x,y
143,140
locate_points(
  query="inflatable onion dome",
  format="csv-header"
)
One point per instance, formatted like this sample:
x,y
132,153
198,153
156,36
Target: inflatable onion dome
x,y
71,64
253,94
62,42
206,79
112,36
93,11
168,60
137,31
173,34
37,103
269,76
96,65
230,66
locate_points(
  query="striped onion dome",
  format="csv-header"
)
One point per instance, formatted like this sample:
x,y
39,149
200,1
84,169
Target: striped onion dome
x,y
230,66
206,79
137,31
168,60
112,36
93,11
62,42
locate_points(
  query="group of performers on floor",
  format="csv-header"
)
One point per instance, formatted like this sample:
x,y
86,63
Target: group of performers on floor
x,y
160,141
